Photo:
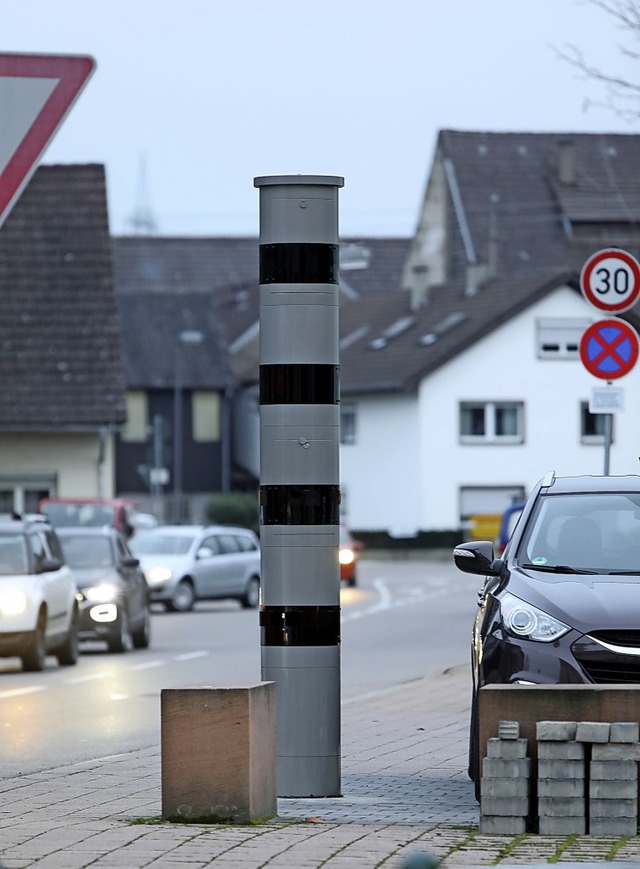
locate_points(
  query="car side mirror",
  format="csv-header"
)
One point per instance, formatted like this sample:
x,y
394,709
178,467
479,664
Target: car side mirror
x,y
48,565
477,557
204,552
131,562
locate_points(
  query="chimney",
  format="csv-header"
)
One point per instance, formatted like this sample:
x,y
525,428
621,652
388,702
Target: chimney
x,y
567,161
419,285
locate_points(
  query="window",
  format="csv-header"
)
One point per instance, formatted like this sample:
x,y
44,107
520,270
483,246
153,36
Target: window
x,y
206,416
135,429
559,337
492,422
592,425
348,423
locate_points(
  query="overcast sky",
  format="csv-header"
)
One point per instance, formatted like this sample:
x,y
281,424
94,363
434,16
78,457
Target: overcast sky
x,y
192,99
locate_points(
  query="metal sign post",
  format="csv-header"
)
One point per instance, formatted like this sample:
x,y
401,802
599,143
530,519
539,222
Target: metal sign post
x,y
299,478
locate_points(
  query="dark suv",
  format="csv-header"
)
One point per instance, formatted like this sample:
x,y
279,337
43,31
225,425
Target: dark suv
x,y
561,604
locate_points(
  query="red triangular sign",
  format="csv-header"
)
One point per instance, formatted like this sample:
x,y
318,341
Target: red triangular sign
x,y
36,92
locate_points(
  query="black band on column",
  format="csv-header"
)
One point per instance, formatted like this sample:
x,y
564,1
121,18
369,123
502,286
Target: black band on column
x,y
299,384
299,505
300,626
299,263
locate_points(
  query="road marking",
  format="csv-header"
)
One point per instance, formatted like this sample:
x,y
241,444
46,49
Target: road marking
x,y
17,692
188,656
77,680
148,665
386,600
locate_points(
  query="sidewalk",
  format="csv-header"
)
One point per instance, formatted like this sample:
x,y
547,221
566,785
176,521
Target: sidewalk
x,y
405,792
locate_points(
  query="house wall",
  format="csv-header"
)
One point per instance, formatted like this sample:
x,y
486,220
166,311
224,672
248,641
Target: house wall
x,y
378,472
73,460
504,365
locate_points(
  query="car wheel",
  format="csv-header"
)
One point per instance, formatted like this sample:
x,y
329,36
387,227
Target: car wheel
x,y
67,654
122,641
251,596
474,747
35,652
351,582
142,635
183,598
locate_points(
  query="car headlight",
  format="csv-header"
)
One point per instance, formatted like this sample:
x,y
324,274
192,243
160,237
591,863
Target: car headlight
x,y
158,574
13,602
100,593
524,620
346,556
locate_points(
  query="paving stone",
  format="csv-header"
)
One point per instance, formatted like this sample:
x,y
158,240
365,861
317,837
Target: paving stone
x,y
568,807
613,790
551,787
561,769
616,751
560,826
507,749
505,787
495,767
501,826
620,808
614,827
593,731
561,750
505,806
624,731
555,730
509,730
613,770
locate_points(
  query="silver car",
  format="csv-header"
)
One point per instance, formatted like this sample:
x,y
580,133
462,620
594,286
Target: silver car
x,y
187,563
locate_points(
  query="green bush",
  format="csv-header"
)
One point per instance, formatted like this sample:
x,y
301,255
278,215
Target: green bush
x,y
234,508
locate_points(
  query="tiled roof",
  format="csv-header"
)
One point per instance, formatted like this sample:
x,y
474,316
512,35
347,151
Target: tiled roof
x,y
388,347
511,185
151,324
60,350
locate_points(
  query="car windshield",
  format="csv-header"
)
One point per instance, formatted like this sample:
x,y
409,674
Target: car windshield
x,y
597,532
13,555
68,515
88,551
161,544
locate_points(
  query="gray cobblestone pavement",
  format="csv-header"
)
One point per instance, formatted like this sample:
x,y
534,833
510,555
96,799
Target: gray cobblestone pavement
x,y
405,789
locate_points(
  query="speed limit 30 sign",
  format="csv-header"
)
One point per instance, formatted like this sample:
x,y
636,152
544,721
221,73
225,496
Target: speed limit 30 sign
x,y
610,280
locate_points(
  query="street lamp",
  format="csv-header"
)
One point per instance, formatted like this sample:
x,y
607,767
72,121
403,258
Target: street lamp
x,y
183,339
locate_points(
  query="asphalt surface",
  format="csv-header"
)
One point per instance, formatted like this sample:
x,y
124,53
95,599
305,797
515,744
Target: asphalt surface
x,y
406,796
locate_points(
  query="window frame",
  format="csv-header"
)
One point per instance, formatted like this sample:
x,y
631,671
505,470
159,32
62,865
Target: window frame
x,y
489,436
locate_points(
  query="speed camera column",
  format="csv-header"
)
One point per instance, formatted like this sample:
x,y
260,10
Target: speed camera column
x,y
299,476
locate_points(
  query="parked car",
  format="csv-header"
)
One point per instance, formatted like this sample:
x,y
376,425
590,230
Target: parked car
x,y
348,554
90,512
113,594
187,563
562,605
38,607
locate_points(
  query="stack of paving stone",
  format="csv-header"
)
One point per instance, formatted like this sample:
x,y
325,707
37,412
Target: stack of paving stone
x,y
506,773
561,779
587,777
613,778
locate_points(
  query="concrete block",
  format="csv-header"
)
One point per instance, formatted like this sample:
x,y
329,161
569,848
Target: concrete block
x,y
218,753
491,825
555,731
551,787
564,807
504,787
613,770
562,826
507,749
624,731
495,767
561,769
620,808
561,750
593,731
613,790
508,730
616,751
505,807
614,827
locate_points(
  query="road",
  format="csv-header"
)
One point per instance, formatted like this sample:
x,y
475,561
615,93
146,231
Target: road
x,y
403,620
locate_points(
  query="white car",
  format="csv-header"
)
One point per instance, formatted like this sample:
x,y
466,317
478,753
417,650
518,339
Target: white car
x,y
38,606
186,563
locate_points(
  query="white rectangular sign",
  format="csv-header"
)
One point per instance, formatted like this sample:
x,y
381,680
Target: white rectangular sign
x,y
606,399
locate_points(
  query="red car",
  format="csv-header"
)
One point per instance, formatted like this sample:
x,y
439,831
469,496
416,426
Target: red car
x,y
348,556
